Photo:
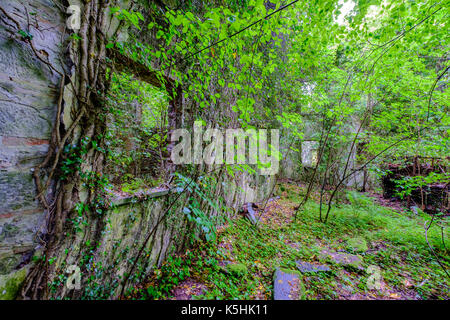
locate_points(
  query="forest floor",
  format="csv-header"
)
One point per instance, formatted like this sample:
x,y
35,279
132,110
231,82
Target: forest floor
x,y
382,236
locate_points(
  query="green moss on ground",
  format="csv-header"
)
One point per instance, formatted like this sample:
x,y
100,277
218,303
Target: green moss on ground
x,y
397,247
237,269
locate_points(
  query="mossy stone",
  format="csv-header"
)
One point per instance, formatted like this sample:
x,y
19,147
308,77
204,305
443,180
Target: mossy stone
x,y
8,262
237,269
357,244
346,260
355,264
288,285
11,283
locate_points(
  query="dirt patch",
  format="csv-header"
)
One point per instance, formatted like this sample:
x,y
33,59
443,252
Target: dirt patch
x,y
388,203
187,289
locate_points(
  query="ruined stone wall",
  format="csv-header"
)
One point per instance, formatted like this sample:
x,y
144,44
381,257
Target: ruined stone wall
x,y
28,106
158,213
299,165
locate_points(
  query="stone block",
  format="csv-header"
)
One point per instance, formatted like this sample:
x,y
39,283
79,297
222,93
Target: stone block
x,y
287,285
306,267
17,191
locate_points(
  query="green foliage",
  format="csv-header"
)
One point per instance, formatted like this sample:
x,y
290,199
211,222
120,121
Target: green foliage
x,y
397,246
359,200
173,271
130,17
357,244
136,132
135,185
408,184
200,205
25,35
377,222
385,67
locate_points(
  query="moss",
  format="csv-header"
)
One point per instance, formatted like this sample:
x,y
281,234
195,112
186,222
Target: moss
x,y
237,269
285,270
357,244
11,283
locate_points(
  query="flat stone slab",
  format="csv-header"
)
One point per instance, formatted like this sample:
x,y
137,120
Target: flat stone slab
x,y
287,285
306,267
343,259
142,194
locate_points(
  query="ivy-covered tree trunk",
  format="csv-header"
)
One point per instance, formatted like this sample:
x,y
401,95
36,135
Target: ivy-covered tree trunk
x,y
77,148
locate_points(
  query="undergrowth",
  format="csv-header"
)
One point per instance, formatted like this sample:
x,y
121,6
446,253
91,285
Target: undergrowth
x,y
397,245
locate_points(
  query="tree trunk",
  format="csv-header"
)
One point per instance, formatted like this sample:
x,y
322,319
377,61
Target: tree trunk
x,y
89,86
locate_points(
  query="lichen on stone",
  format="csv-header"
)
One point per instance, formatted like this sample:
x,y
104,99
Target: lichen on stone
x,y
10,284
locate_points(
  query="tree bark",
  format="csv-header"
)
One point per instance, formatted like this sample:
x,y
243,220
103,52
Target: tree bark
x,y
89,86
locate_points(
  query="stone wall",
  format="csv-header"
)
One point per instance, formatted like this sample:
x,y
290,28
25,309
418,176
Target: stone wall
x,y
127,225
28,104
299,165
28,91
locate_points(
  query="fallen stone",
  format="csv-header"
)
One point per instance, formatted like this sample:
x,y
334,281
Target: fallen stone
x,y
273,199
287,285
306,267
248,211
251,214
350,261
357,244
